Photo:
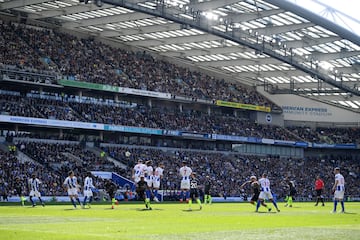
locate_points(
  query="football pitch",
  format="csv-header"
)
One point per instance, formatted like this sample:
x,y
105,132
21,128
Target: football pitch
x,y
174,221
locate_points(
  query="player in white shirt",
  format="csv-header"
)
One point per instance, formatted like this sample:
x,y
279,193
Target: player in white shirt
x,y
339,190
158,175
265,193
88,189
34,185
138,170
149,172
72,187
185,173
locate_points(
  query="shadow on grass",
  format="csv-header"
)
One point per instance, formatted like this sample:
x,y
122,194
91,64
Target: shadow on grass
x,y
146,209
260,212
191,210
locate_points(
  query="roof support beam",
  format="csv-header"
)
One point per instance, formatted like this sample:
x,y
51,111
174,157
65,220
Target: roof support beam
x,y
175,40
20,3
316,19
142,30
245,17
204,51
106,20
332,56
307,42
66,11
212,5
280,29
240,62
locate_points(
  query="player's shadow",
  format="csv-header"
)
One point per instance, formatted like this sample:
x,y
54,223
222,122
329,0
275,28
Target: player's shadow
x,y
191,210
146,209
70,209
260,212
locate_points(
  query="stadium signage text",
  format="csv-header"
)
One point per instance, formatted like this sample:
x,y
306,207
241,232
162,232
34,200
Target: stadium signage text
x,y
242,106
109,88
311,111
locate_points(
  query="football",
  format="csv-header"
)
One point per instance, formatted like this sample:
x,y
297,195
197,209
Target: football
x,y
127,154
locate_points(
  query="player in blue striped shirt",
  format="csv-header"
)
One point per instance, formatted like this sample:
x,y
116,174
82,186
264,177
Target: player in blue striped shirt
x,y
34,186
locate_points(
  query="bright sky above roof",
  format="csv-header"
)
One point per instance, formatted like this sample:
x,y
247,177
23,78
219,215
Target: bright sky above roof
x,y
342,12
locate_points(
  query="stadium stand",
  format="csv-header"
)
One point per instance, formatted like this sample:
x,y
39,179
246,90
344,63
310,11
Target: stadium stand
x,y
43,56
69,56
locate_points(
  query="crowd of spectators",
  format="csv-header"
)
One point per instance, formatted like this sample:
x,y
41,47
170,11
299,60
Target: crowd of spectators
x,y
327,135
159,117
11,168
140,116
63,156
90,61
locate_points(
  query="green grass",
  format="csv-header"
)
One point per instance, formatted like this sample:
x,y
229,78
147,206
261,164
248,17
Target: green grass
x,y
231,221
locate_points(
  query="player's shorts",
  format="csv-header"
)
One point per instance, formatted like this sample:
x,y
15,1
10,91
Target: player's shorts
x,y
149,181
319,192
156,182
88,193
292,193
185,184
339,194
194,194
136,179
265,195
34,193
72,191
255,197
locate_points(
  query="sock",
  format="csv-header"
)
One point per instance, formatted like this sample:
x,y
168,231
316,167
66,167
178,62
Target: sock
x,y
206,199
275,204
22,200
290,200
317,201
41,201
210,199
257,205
335,205
181,195
187,194
73,202
342,205
322,200
148,193
84,202
190,203
78,200
90,199
113,201
147,201
198,201
32,200
156,193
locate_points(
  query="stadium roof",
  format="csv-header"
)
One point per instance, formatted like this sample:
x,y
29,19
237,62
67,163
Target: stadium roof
x,y
274,43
